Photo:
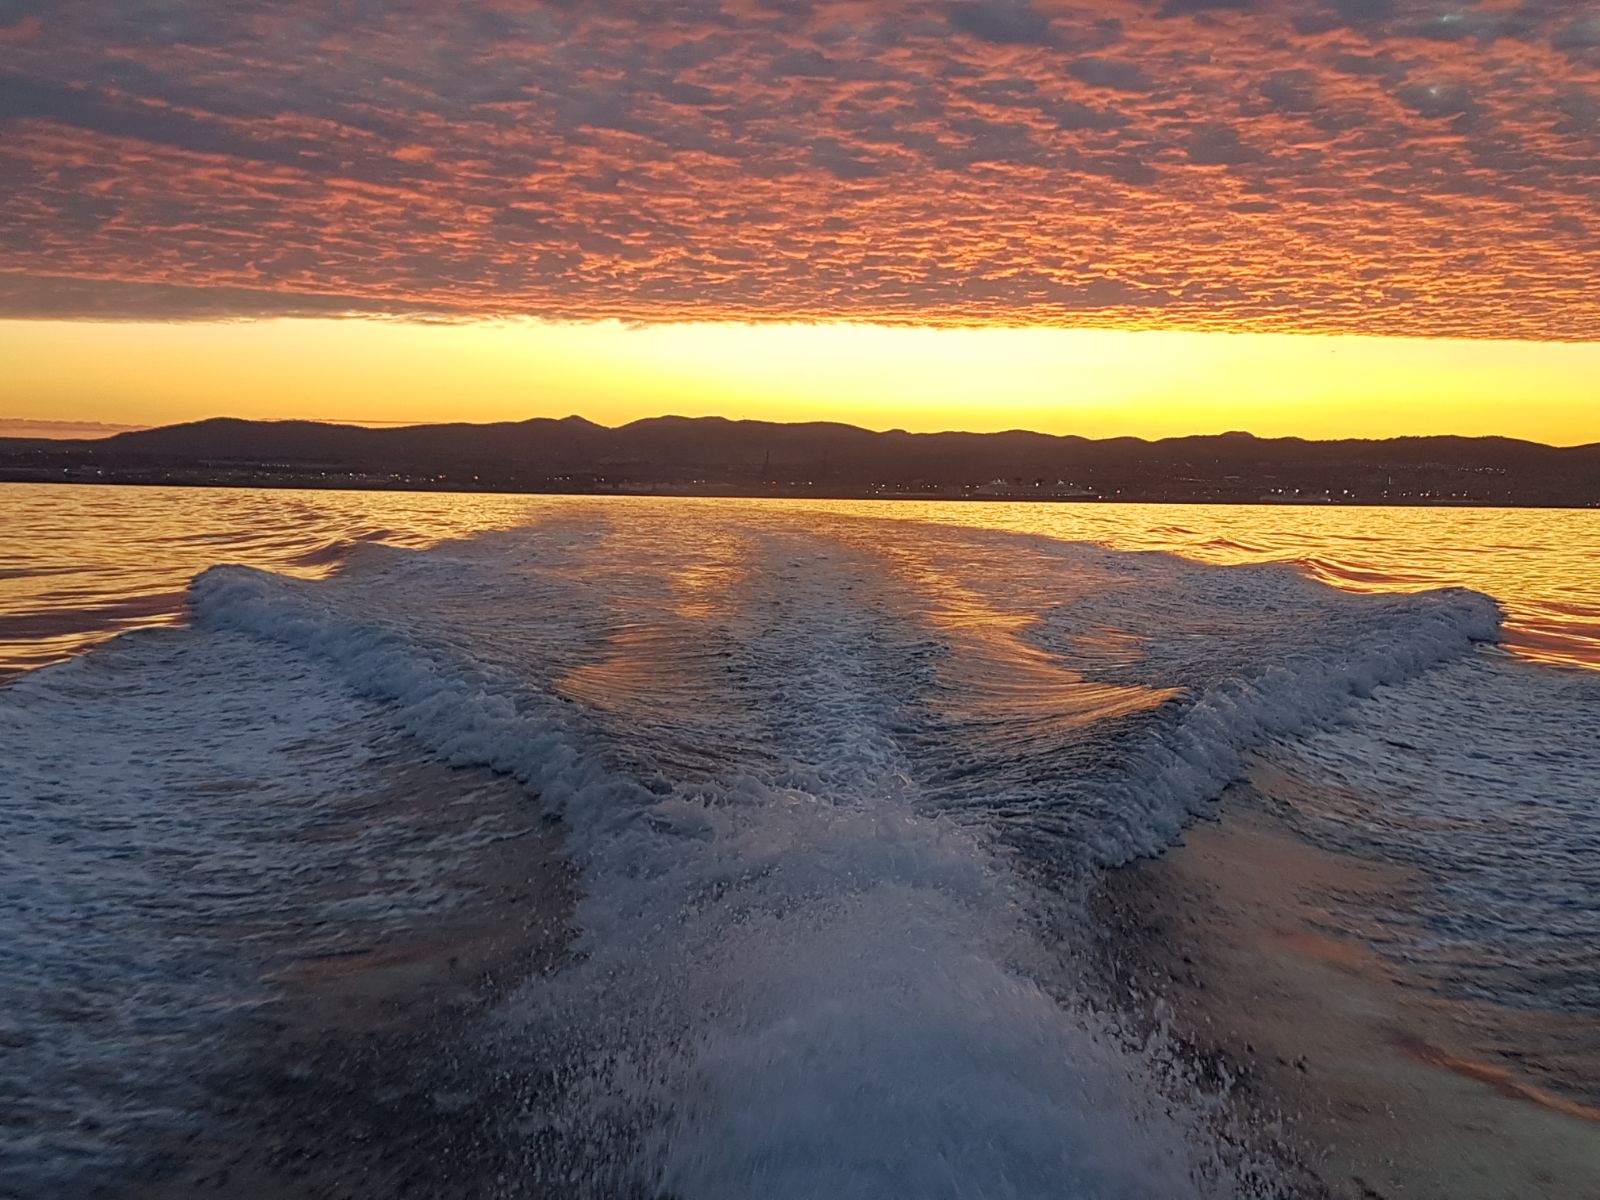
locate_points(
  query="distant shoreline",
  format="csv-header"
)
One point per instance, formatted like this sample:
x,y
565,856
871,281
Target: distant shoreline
x,y
682,456
736,493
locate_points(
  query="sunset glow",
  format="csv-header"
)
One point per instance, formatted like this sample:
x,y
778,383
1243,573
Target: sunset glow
x,y
1102,218
1092,382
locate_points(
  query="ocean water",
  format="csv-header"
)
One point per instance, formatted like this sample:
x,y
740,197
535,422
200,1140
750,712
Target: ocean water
x,y
836,780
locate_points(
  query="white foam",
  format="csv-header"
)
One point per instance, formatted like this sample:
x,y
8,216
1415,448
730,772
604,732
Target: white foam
x,y
809,971
1261,652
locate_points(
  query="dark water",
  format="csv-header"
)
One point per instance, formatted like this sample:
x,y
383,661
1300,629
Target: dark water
x,y
834,777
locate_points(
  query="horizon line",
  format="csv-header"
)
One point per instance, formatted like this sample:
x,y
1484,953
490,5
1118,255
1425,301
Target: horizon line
x,y
116,430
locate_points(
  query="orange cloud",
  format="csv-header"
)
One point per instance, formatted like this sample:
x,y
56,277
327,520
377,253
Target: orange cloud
x,y
1423,169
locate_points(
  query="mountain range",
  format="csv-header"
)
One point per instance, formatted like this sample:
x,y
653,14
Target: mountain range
x,y
718,456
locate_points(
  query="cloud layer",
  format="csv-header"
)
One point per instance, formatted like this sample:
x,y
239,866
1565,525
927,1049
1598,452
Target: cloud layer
x,y
1366,166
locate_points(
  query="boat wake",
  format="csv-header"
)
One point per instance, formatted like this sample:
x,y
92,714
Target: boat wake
x,y
836,790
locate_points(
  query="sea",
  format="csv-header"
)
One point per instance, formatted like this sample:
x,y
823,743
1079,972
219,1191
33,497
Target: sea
x,y
835,783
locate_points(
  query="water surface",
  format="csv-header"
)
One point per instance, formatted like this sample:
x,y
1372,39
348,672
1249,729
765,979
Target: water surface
x,y
78,563
837,780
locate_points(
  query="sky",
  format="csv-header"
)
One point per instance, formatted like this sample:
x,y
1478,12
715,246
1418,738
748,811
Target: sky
x,y
1354,217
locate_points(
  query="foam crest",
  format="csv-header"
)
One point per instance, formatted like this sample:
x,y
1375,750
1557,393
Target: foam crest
x,y
1261,653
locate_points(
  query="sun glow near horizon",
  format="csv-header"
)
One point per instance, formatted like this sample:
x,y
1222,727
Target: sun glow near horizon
x,y
1315,218
1094,382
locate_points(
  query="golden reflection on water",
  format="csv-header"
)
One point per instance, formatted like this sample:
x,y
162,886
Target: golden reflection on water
x,y
701,587
660,657
79,564
997,672
643,665
1542,565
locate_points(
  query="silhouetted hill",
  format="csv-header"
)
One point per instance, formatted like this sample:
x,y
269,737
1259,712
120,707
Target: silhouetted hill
x,y
821,458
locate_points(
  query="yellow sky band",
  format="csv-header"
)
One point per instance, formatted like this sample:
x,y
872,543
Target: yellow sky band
x,y
1097,383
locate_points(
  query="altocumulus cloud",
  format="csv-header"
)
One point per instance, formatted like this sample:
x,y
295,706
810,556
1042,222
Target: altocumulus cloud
x,y
1352,166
